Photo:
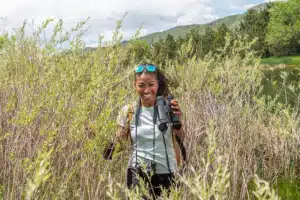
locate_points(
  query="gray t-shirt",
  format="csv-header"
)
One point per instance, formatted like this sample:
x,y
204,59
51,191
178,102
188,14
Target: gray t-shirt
x,y
143,145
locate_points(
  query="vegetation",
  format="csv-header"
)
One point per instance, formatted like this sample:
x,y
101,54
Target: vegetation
x,y
275,27
254,25
180,31
232,22
58,110
288,60
284,28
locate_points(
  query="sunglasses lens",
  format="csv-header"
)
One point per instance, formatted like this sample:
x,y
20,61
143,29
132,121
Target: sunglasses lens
x,y
151,68
139,69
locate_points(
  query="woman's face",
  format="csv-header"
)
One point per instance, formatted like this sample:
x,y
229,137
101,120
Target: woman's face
x,y
146,86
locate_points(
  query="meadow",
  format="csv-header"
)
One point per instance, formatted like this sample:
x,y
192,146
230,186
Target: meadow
x,y
292,61
58,110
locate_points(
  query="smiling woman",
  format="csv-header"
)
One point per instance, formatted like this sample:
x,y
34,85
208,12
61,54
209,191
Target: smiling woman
x,y
154,156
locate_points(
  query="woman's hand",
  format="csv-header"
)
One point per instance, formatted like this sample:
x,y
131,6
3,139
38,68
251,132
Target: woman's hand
x,y
122,133
175,107
177,111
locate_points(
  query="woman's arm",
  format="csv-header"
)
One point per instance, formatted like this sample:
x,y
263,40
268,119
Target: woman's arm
x,y
123,120
122,133
180,133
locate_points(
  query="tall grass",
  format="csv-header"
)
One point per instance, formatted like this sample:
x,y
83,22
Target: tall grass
x,y
58,110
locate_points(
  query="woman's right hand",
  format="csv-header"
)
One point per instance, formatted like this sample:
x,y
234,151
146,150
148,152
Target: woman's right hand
x,y
122,133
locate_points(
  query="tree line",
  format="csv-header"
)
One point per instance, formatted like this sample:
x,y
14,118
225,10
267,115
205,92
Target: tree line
x,y
275,30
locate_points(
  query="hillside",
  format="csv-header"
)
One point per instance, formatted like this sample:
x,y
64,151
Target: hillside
x,y
230,21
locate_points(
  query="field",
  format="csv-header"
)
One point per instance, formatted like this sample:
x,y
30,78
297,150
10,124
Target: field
x,y
58,111
288,60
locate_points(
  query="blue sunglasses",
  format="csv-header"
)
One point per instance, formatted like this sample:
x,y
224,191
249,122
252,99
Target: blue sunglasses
x,y
149,68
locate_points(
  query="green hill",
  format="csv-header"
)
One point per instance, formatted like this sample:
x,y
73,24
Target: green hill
x,y
230,21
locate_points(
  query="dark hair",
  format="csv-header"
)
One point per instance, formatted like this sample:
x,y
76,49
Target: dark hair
x,y
163,89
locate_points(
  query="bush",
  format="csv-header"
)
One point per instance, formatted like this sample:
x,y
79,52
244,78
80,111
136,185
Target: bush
x,y
58,108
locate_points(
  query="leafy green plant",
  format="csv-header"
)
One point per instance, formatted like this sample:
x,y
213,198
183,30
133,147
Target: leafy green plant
x,y
58,109
263,190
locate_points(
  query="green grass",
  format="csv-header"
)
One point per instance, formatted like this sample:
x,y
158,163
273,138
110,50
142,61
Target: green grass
x,y
63,105
283,84
288,189
288,60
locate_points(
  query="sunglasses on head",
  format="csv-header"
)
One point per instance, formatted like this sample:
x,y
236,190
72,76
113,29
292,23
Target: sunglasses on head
x,y
141,68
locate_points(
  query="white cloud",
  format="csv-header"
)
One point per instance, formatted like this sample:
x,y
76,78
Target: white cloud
x,y
243,7
249,6
75,9
197,14
153,15
266,1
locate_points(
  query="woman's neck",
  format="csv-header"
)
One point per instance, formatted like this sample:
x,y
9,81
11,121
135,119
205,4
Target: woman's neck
x,y
147,104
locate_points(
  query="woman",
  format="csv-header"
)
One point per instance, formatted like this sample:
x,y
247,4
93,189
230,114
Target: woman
x,y
152,148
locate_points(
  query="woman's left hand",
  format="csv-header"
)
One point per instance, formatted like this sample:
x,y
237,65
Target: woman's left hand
x,y
177,111
175,107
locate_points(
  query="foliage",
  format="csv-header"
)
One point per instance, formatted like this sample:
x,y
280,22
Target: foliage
x,y
215,180
139,49
282,85
3,40
273,25
264,191
284,27
231,22
293,61
254,25
58,108
41,175
289,188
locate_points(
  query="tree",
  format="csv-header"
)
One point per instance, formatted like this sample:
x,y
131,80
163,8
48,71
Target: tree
x,y
171,47
179,41
159,52
219,40
284,27
208,40
140,50
254,25
196,42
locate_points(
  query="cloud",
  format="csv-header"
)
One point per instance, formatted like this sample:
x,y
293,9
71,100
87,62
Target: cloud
x,y
98,9
154,15
266,1
249,6
242,6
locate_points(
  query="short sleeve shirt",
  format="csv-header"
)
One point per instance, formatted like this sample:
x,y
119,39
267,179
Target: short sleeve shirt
x,y
149,144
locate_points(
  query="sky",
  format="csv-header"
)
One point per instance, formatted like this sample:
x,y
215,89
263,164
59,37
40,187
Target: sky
x,y
151,15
